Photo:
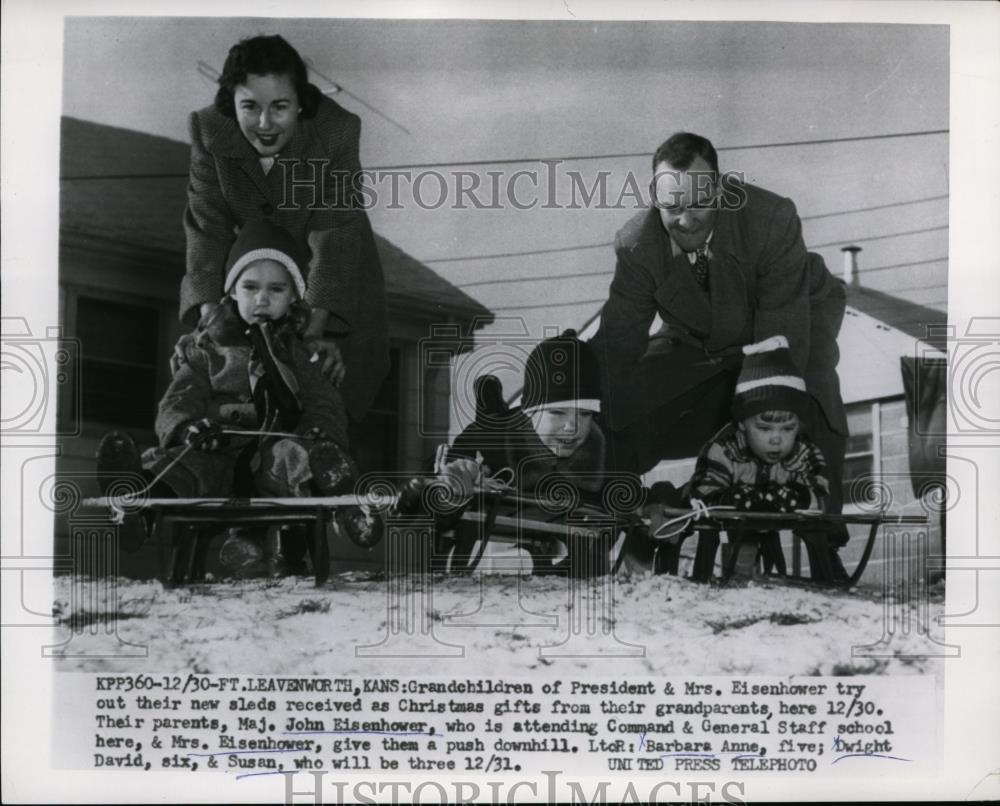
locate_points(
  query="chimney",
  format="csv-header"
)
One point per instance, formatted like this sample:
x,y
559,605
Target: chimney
x,y
851,264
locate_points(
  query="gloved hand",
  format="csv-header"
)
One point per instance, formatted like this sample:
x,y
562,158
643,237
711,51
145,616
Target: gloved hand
x,y
461,475
206,435
326,354
788,497
747,498
780,498
178,357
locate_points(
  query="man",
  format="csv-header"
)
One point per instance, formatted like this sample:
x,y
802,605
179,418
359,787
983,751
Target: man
x,y
723,264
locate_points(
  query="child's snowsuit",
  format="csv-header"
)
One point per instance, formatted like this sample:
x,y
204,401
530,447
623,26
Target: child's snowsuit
x,y
215,382
728,472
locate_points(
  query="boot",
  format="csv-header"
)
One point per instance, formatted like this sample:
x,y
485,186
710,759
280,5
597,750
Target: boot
x,y
333,470
242,553
119,471
772,554
747,565
363,526
289,560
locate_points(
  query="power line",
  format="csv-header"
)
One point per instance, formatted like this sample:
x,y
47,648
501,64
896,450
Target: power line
x,y
648,154
565,158
846,241
90,177
549,305
872,310
608,271
904,265
499,255
538,278
895,291
876,207
530,252
336,86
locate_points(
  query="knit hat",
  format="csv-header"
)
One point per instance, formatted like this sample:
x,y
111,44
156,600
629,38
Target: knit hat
x,y
561,371
769,381
262,240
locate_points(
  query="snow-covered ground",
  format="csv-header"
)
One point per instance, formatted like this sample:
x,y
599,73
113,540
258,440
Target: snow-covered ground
x,y
496,625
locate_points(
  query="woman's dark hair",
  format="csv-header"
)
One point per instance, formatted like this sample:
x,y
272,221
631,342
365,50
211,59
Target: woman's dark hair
x,y
680,150
263,55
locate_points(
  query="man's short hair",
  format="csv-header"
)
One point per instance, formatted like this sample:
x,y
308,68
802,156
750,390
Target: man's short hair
x,y
681,149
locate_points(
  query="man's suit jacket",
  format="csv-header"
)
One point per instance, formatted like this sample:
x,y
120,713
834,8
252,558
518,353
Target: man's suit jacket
x,y
763,283
311,191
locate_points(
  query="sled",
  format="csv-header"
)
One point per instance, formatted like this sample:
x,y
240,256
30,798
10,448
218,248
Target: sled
x,y
183,528
810,526
583,542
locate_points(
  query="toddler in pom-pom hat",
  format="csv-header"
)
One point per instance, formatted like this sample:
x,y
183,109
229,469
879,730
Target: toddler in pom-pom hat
x,y
761,461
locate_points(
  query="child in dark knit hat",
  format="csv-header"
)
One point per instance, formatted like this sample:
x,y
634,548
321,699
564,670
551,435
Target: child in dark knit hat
x,y
246,370
762,462
554,437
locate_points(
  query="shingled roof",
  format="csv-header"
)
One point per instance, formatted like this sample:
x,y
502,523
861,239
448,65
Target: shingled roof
x,y
918,321
127,190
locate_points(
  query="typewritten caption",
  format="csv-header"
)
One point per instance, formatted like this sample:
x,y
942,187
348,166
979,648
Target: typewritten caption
x,y
250,725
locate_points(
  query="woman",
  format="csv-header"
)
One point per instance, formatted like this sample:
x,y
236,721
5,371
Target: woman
x,y
273,147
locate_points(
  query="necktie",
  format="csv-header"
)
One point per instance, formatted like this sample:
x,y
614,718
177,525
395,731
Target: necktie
x,y
700,267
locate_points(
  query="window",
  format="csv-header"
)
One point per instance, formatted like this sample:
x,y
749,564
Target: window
x,y
859,459
119,345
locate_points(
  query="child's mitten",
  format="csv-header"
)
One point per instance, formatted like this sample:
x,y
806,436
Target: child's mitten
x,y
206,435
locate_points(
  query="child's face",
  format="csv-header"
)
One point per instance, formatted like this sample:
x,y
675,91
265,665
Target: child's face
x,y
563,430
263,291
770,442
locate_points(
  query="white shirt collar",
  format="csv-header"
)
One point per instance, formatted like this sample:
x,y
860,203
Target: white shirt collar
x,y
692,256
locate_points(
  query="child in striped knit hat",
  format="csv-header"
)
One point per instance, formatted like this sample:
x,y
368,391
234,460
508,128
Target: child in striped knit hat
x,y
761,462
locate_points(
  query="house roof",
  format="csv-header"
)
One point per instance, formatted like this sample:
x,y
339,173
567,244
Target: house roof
x,y
127,190
917,321
878,330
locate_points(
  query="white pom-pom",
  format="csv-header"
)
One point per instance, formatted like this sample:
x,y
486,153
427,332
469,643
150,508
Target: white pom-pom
x,y
773,343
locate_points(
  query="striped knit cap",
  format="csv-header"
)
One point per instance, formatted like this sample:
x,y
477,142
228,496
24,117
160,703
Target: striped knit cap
x,y
769,381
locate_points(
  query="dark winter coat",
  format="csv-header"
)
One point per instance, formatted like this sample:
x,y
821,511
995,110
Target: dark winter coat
x,y
214,382
763,283
728,472
228,187
513,443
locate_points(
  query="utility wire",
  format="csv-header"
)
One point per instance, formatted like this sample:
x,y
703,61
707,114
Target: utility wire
x,y
530,252
567,304
647,154
497,255
608,271
904,265
548,305
337,87
567,158
876,207
538,278
846,241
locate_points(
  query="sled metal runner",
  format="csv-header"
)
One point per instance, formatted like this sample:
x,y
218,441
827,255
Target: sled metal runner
x,y
811,526
179,524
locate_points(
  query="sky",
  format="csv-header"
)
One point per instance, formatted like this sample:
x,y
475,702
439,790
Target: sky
x,y
451,91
